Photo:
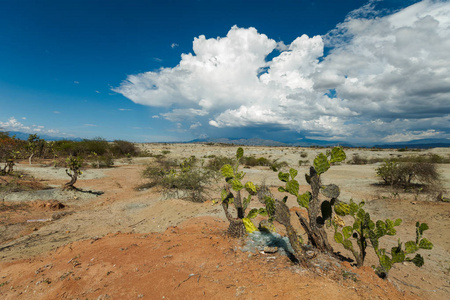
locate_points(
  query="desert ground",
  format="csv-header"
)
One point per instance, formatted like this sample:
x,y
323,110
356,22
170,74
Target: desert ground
x,y
120,241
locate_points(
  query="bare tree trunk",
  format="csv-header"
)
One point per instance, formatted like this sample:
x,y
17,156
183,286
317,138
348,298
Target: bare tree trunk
x,y
283,216
69,185
29,159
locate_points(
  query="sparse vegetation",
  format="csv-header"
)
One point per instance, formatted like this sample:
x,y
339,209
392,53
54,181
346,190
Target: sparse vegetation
x,y
252,161
186,180
405,174
320,214
215,163
73,170
9,152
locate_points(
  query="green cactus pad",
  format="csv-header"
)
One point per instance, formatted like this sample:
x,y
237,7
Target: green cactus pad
x,y
252,213
303,199
239,153
293,173
338,237
337,155
251,188
347,231
292,187
321,163
411,247
417,260
283,176
249,226
236,184
227,171
342,209
425,244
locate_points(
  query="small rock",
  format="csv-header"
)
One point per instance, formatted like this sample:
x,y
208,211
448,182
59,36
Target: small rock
x,y
268,249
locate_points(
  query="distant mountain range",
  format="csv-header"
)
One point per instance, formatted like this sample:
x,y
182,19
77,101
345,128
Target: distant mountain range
x,y
24,136
417,144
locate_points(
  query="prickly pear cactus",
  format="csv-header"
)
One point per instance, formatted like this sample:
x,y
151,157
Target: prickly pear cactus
x,y
399,255
320,211
232,194
359,231
364,230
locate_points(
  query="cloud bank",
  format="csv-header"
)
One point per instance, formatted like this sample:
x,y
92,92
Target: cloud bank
x,y
13,125
384,78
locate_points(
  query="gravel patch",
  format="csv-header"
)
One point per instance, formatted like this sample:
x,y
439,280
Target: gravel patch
x,y
45,195
51,173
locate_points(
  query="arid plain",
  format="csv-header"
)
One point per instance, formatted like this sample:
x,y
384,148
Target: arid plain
x,y
132,242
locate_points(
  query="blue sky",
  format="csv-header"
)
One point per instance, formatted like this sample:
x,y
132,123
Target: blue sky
x,y
148,71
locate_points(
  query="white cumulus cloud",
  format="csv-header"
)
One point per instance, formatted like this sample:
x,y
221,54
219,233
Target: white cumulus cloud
x,y
384,77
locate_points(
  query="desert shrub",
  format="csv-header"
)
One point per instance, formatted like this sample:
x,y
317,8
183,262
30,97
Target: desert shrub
x,y
252,161
304,162
65,148
403,174
217,162
304,154
277,165
121,148
97,145
430,158
9,152
187,180
358,160
165,152
101,161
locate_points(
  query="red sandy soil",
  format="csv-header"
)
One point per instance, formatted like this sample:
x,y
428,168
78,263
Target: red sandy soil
x,y
192,261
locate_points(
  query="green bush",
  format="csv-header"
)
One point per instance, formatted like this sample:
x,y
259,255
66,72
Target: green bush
x,y
97,145
103,161
121,148
186,180
427,158
358,160
217,162
252,161
405,175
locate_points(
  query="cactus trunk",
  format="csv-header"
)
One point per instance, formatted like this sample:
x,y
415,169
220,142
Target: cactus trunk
x,y
236,229
315,229
283,216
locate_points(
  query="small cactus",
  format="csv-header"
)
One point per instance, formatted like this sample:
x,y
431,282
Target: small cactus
x,y
73,170
233,177
398,254
365,230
